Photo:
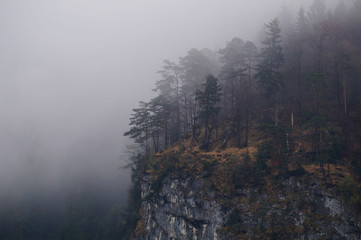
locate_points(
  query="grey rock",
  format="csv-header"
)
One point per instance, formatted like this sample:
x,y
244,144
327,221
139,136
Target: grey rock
x,y
186,209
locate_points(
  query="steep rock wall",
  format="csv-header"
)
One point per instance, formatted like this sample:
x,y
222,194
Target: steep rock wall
x,y
184,208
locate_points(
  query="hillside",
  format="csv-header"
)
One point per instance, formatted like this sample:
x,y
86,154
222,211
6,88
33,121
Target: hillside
x,y
233,193
255,142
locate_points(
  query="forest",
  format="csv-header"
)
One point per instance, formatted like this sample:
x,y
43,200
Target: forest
x,y
295,97
248,112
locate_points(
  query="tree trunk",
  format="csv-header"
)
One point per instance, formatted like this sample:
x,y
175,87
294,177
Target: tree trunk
x,y
178,108
154,143
250,97
247,126
165,131
344,94
209,136
276,113
205,133
185,120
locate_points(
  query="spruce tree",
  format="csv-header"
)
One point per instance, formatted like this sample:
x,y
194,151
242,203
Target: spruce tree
x,y
208,100
269,75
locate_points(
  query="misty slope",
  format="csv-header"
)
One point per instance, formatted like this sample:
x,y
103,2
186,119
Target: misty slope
x,y
232,194
239,139
70,72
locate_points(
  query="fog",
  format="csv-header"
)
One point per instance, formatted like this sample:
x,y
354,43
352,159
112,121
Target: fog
x,y
72,70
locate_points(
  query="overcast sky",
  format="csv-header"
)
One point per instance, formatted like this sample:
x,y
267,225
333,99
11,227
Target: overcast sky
x,y
72,70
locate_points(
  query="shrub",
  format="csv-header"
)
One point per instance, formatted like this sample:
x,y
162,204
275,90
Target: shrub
x,y
334,151
298,172
351,192
208,167
348,187
246,158
235,222
264,151
157,182
242,176
234,218
356,165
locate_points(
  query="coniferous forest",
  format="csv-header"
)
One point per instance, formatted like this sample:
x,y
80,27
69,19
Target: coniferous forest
x,y
294,98
244,117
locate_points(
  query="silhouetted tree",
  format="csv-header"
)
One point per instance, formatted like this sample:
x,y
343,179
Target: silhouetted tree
x,y
208,99
234,80
196,65
269,73
169,88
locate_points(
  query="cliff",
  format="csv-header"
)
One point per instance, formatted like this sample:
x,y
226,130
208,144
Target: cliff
x,y
188,207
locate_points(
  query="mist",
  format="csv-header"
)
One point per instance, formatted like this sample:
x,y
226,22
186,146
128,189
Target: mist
x,y
71,72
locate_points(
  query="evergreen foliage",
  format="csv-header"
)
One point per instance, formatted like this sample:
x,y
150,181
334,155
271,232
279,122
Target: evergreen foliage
x,y
303,108
208,99
308,75
269,74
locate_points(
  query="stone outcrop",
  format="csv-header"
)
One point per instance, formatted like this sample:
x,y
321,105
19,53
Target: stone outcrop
x,y
182,209
186,208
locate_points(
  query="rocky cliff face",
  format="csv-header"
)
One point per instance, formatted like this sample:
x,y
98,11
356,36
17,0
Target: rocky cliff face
x,y
187,208
182,209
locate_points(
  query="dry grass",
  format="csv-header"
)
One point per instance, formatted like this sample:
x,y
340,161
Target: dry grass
x,y
140,229
334,173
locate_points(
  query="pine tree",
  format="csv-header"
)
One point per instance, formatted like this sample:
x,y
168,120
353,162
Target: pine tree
x,y
269,74
234,80
140,122
208,100
196,66
169,88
